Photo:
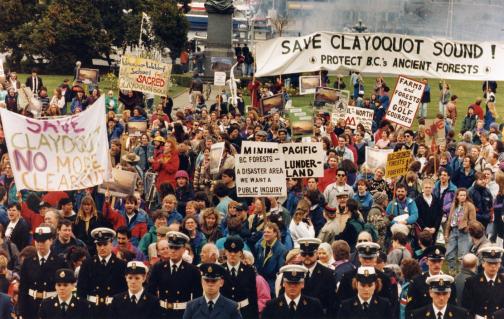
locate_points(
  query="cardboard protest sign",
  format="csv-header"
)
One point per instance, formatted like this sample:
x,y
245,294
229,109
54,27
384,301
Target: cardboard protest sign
x,y
376,157
144,75
137,128
272,104
397,163
381,53
405,101
122,183
302,127
89,75
435,133
359,115
325,95
260,170
308,84
216,152
303,159
62,154
219,78
27,100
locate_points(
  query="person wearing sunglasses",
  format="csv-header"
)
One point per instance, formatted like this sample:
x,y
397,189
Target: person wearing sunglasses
x,y
339,186
320,281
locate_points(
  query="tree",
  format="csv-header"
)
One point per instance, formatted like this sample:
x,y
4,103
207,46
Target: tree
x,y
170,26
69,31
280,22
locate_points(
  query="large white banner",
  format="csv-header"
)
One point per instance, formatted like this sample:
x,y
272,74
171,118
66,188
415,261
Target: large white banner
x,y
260,170
386,54
61,154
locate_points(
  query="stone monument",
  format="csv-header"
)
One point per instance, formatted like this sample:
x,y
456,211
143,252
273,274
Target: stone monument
x,y
219,54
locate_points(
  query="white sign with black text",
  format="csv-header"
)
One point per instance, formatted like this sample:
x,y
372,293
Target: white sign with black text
x,y
303,159
405,101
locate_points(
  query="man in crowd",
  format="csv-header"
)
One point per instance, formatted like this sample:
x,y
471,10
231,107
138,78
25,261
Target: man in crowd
x,y
340,186
38,274
124,244
101,276
65,238
468,269
209,254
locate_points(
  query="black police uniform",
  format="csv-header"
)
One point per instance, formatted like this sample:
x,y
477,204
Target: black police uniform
x,y
75,308
242,287
452,312
147,307
37,280
418,293
278,308
101,282
481,297
378,308
346,291
321,285
498,315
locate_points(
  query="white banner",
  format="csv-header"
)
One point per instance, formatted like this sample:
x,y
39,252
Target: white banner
x,y
219,78
405,101
144,75
379,53
260,170
303,159
62,154
376,157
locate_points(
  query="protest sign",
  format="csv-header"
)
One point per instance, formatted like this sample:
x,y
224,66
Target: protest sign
x,y
435,133
28,101
325,95
376,157
219,78
216,152
308,84
260,170
303,159
62,154
359,115
405,101
137,128
302,127
88,75
272,104
379,53
122,183
397,163
144,75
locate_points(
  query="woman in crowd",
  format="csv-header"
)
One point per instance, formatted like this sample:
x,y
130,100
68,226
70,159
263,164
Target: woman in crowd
x,y
196,238
167,163
88,219
209,224
325,255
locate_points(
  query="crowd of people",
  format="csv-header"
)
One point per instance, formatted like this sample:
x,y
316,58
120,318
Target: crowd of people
x,y
350,244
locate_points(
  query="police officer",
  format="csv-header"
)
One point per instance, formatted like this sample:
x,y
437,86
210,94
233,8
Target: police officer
x,y
136,302
239,279
366,304
175,281
368,253
484,293
320,281
37,273
439,291
292,304
212,305
102,276
65,305
418,293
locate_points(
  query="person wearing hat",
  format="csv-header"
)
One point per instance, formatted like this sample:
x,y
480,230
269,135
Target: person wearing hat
x,y
183,190
102,276
260,136
37,273
418,292
320,281
377,216
239,279
331,227
175,281
65,205
484,293
136,302
440,292
366,304
64,304
293,303
368,253
212,304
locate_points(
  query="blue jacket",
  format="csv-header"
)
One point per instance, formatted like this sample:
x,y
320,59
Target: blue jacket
x,y
483,201
268,266
4,219
365,202
460,179
394,208
224,308
447,196
292,200
116,132
144,156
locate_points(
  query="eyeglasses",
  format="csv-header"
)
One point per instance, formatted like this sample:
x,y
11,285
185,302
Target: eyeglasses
x,y
341,175
307,254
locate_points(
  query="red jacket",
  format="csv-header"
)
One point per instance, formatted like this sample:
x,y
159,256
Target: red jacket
x,y
32,218
328,178
166,171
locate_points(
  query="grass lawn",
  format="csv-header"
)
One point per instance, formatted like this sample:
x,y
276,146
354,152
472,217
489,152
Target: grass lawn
x,y
467,91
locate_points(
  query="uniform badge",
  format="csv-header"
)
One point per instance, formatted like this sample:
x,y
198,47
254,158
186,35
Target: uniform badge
x,y
294,273
366,273
210,270
441,282
493,253
427,314
41,231
133,266
437,252
62,274
233,245
450,314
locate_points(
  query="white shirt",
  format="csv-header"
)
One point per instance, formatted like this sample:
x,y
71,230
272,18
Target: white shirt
x,y
436,310
296,301
106,258
67,302
178,264
46,257
311,269
10,228
236,268
488,278
214,300
137,295
362,301
428,200
130,216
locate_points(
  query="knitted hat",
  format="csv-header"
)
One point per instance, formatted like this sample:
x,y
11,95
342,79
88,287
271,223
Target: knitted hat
x,y
379,197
